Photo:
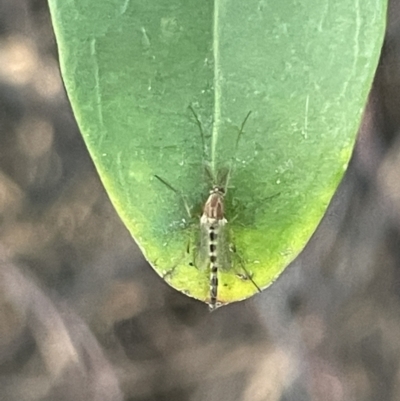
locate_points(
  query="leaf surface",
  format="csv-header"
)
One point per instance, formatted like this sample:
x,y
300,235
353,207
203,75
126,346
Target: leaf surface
x,y
303,69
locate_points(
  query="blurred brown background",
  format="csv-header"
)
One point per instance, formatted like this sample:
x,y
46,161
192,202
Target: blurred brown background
x,y
83,317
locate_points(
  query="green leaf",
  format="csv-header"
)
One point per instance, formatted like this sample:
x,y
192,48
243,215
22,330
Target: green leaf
x,y
304,70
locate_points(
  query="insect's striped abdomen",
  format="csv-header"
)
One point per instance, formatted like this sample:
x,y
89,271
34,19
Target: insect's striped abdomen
x,y
212,220
213,238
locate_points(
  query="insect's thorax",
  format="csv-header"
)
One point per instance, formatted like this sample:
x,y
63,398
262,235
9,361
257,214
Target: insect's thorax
x,y
213,212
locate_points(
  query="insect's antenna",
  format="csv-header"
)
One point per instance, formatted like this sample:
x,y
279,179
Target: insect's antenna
x,y
168,185
210,174
228,176
203,138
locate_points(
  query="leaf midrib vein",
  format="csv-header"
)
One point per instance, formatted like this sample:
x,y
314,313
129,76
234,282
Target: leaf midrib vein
x,y
217,83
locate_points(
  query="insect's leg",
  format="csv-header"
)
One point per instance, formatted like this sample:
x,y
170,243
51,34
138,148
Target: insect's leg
x,y
241,131
271,196
228,176
203,138
247,275
170,272
179,193
208,170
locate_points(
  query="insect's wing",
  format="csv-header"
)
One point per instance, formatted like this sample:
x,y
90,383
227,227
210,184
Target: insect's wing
x,y
228,259
202,252
224,254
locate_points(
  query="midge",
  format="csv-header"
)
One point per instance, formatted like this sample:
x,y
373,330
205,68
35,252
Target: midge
x,y
214,251
213,220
